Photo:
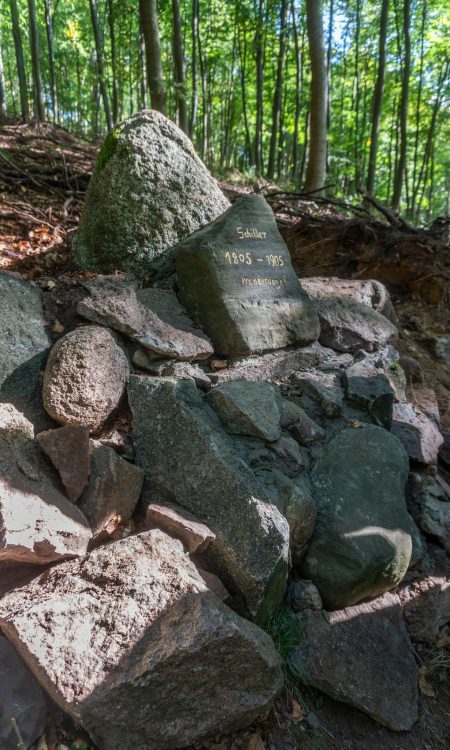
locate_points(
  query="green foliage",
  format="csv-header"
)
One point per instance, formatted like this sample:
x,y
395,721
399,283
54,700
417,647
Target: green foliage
x,y
109,147
225,87
285,630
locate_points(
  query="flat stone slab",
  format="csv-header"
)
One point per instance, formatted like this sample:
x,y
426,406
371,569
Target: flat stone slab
x,y
24,345
177,521
346,325
131,643
367,292
236,279
120,308
361,655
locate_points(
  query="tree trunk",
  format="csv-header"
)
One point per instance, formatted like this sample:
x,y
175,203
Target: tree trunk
x,y
155,79
36,62
194,101
278,94
401,162
51,58
298,90
2,81
317,160
259,88
378,97
20,61
142,71
100,66
179,69
112,37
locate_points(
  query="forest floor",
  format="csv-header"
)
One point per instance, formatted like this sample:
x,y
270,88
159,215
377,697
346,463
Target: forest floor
x,y
44,173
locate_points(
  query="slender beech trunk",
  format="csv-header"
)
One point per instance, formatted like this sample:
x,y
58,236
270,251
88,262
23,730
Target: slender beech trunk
x,y
317,160
23,89
2,80
418,110
179,69
401,162
100,66
298,90
278,93
258,156
378,96
194,100
142,71
357,94
51,57
112,37
36,62
149,16
242,45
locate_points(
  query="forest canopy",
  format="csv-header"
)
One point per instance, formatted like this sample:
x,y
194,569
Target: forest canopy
x,y
267,87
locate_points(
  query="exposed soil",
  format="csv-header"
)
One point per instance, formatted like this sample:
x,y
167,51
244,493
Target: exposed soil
x,y
44,172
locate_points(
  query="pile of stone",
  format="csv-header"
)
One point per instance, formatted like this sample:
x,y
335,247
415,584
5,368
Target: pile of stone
x,y
272,443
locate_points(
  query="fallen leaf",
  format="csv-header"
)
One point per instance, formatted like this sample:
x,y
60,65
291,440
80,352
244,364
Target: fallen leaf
x,y
424,685
255,743
298,712
354,423
57,327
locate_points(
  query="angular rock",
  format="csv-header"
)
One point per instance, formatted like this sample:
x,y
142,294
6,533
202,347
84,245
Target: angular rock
x,y
362,543
346,325
120,309
133,625
303,595
215,485
290,412
417,432
68,449
248,408
435,520
148,191
373,392
236,279
293,499
426,606
323,388
369,292
425,399
306,431
165,304
21,699
361,655
176,521
214,584
444,451
85,377
287,451
113,490
24,344
187,371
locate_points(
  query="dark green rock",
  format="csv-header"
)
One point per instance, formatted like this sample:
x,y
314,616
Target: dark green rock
x,y
236,279
24,344
189,459
248,408
373,392
362,543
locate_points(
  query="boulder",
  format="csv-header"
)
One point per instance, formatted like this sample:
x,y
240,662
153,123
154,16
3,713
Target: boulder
x,y
306,431
248,408
113,490
68,449
322,388
362,542
303,595
346,325
361,655
417,432
368,292
21,699
119,308
236,279
189,459
435,519
293,499
85,377
24,344
148,191
130,642
426,606
371,391
178,522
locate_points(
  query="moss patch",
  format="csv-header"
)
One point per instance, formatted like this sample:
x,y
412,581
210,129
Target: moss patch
x,y
109,148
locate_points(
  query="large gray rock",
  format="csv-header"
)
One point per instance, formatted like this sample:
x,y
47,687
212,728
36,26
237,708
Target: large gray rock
x,y
426,606
362,542
112,492
85,377
418,433
346,325
148,191
361,655
248,408
190,460
119,308
68,450
131,643
21,699
23,347
236,279
368,292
